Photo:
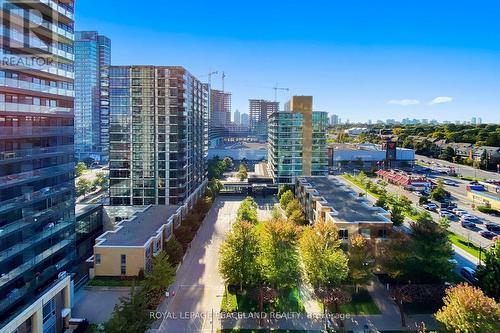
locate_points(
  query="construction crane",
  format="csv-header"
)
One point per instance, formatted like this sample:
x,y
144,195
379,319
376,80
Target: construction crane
x,y
276,88
209,74
223,77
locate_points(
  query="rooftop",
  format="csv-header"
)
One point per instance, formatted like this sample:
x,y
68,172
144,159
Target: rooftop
x,y
140,227
349,206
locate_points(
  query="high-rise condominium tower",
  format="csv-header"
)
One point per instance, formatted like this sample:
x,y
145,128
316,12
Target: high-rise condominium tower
x,y
92,61
37,223
220,108
158,135
237,117
259,112
297,141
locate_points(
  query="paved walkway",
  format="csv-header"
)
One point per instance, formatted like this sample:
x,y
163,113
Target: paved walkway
x,y
199,288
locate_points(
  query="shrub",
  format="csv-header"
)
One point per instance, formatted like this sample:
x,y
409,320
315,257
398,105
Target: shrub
x,y
488,210
174,250
184,235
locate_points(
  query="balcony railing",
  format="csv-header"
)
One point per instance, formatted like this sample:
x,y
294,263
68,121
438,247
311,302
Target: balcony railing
x,y
31,176
13,83
16,107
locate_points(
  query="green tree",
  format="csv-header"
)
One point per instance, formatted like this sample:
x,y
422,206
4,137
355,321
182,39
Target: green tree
x,y
238,255
276,213
214,187
278,258
325,264
405,203
444,223
83,186
80,168
101,180
286,198
162,274
228,162
467,309
283,189
174,250
488,274
439,193
395,256
243,172
361,260
247,211
397,216
383,201
431,250
130,315
292,206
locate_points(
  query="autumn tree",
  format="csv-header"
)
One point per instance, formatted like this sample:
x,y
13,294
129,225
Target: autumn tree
x,y
238,255
243,172
325,264
292,206
488,275
278,258
361,260
467,309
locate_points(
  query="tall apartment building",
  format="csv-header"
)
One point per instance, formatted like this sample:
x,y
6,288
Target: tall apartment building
x,y
259,112
158,135
297,141
37,222
92,61
334,120
245,121
220,108
237,117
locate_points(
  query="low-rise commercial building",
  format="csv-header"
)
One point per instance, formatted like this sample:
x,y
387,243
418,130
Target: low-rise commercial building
x,y
369,157
325,198
130,247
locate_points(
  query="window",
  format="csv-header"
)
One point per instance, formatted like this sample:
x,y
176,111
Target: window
x,y
123,264
97,259
365,233
343,234
382,233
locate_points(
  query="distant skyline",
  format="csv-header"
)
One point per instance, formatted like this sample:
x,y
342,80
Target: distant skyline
x,y
358,59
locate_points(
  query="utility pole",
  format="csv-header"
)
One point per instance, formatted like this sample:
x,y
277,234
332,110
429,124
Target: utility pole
x,y
276,88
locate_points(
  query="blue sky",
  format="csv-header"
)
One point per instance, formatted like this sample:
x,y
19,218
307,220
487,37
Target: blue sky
x,y
361,59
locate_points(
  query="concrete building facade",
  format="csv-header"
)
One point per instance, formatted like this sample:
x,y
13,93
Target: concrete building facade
x,y
220,108
297,141
327,199
158,135
37,218
92,61
259,112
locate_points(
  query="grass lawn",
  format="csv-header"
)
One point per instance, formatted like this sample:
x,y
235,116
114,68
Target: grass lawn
x,y
112,283
361,304
233,301
351,179
462,243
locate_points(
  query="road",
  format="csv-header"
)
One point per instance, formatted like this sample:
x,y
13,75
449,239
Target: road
x,y
455,226
463,170
199,287
463,258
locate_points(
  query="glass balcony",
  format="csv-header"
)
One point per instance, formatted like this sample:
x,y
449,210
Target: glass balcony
x,y
13,83
31,176
16,107
19,247
7,276
43,131
9,156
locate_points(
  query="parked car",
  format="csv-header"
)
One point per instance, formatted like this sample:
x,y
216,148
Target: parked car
x,y
469,274
429,206
487,234
492,226
467,224
469,217
446,214
449,182
458,211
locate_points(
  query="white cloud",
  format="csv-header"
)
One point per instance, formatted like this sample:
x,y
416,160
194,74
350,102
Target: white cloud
x,y
404,102
440,100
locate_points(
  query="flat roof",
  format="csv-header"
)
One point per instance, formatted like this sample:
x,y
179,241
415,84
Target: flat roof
x,y
349,206
137,230
81,209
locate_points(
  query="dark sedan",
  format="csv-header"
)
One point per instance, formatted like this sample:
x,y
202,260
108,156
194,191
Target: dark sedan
x,y
487,234
492,226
